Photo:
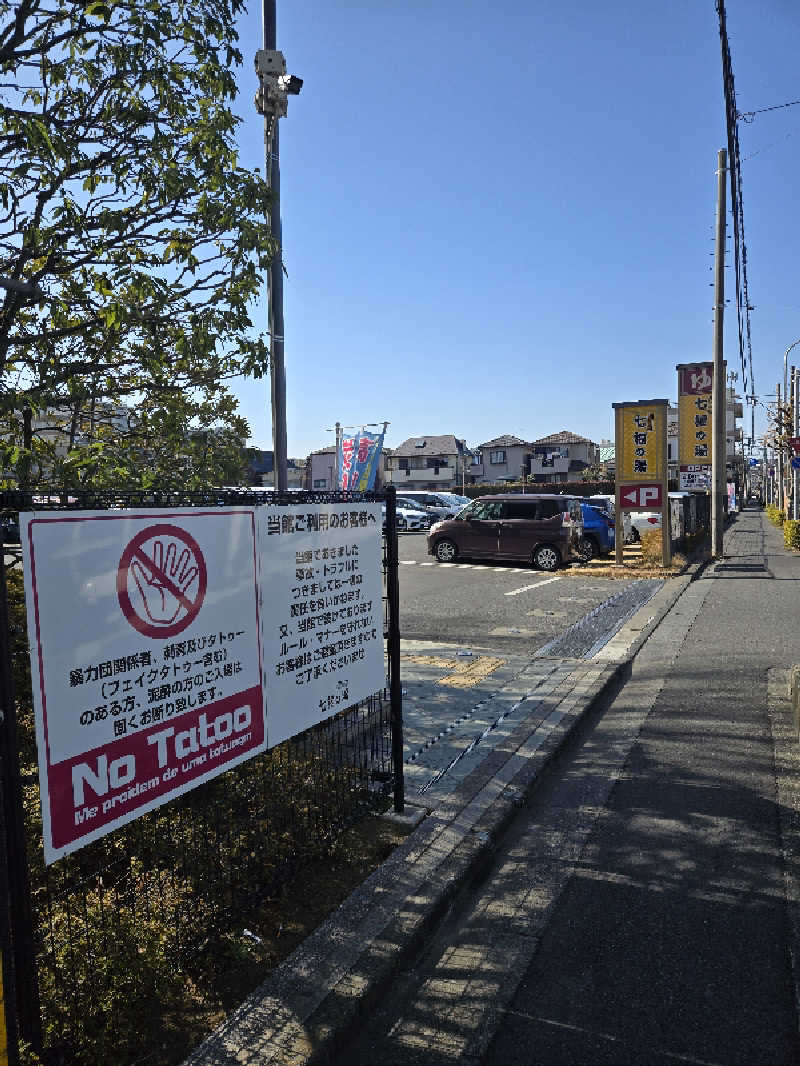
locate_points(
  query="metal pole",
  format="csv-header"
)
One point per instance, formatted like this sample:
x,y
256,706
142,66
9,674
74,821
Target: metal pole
x,y
393,646
338,484
795,425
719,449
275,273
777,449
20,906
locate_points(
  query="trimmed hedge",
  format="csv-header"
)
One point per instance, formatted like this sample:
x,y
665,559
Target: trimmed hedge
x,y
791,533
775,515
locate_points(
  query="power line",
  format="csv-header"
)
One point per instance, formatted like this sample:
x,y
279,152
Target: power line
x,y
743,306
748,116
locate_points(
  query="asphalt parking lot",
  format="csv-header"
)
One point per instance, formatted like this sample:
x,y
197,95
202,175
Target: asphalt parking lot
x,y
504,608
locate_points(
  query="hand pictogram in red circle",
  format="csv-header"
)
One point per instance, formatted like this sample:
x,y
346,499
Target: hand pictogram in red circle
x,y
161,580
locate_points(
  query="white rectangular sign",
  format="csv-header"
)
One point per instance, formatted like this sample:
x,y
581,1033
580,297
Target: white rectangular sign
x,y
145,656
321,586
694,479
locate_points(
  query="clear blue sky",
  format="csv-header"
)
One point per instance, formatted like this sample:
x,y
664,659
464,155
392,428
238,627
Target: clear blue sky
x,y
498,218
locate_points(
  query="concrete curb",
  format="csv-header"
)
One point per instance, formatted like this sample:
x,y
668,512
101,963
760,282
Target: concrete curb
x,y
303,1014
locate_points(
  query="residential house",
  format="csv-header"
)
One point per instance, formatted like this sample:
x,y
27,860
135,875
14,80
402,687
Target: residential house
x,y
562,457
261,470
608,461
321,469
505,458
432,462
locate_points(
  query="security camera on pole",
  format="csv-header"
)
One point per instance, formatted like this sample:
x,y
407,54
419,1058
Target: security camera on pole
x,y
271,100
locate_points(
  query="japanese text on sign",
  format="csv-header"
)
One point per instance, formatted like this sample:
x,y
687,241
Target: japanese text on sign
x,y
159,687
641,450
323,628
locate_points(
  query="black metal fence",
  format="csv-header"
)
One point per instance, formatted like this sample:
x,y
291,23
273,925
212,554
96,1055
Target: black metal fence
x,y
689,515
113,942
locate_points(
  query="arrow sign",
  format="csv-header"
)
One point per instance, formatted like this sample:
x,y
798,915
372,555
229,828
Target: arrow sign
x,y
640,497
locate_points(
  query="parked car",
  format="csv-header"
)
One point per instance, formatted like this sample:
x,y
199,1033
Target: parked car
x,y
608,505
460,501
426,518
409,519
598,532
437,503
545,530
400,522
644,522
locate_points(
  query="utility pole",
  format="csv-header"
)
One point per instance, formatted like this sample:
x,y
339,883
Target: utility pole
x,y
719,450
777,449
795,424
271,102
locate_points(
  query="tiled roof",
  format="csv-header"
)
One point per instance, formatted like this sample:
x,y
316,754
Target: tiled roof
x,y
508,440
444,444
564,437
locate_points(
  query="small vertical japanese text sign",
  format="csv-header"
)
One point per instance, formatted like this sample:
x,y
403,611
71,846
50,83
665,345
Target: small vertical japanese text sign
x,y
321,581
695,424
145,659
641,462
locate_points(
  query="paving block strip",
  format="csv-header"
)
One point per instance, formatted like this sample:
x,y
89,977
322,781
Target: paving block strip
x,y
305,1009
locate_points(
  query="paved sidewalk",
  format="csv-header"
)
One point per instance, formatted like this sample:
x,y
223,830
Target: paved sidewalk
x,y
675,938
668,926
472,756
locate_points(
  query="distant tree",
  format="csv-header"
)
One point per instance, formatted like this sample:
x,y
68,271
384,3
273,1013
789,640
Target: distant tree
x,y
123,203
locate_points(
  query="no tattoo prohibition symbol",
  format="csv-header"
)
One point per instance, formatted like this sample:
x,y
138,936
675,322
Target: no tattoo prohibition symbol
x,y
161,581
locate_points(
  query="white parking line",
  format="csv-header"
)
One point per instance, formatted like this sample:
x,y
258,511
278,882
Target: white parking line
x,y
427,564
409,562
537,585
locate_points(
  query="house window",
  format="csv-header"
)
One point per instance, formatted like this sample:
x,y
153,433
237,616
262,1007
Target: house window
x,y
498,456
320,483
476,459
402,464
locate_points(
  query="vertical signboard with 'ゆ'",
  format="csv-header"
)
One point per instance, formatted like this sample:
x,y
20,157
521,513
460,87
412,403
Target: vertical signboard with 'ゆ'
x,y
695,424
145,657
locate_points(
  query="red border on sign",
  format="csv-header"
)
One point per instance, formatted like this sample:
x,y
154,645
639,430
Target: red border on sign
x,y
133,551
45,763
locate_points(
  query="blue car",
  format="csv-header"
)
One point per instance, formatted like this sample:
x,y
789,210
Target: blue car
x,y
598,532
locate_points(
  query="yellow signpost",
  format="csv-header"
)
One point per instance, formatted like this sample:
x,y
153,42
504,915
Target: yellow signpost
x,y
695,424
641,461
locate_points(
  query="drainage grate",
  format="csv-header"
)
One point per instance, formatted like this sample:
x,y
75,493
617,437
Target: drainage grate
x,y
741,568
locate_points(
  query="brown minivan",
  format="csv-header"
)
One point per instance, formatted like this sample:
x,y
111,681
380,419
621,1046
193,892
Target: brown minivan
x,y
528,527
